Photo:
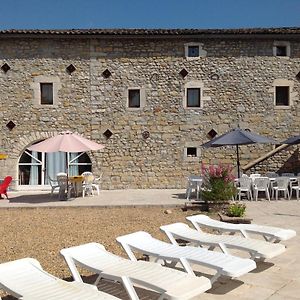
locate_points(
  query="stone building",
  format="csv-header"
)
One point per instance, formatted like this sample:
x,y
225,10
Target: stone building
x,y
151,96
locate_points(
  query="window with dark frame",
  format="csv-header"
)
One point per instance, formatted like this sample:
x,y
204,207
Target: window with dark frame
x,y
46,93
193,97
191,152
134,98
282,97
281,50
193,51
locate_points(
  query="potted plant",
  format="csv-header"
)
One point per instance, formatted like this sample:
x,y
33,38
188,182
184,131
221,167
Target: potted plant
x,y
218,185
235,214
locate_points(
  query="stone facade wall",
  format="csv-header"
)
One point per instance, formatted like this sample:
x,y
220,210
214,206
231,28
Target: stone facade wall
x,y
285,161
237,77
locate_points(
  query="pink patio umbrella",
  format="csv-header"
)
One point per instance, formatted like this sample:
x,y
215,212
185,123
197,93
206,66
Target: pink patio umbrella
x,y
66,142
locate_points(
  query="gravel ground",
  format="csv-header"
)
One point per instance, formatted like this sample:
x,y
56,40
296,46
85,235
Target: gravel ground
x,y
42,232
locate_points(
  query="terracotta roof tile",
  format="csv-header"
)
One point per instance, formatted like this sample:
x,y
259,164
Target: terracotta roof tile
x,y
152,32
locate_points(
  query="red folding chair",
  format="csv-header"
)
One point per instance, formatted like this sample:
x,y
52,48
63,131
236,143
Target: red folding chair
x,y
4,185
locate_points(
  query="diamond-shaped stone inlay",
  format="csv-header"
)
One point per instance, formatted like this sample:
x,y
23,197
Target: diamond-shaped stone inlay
x,y
106,73
183,73
10,125
71,69
212,133
107,133
5,68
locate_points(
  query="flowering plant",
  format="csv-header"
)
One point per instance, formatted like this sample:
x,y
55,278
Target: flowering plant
x,y
236,210
218,183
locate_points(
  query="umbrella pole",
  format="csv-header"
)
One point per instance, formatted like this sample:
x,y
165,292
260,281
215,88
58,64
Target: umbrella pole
x,y
67,171
238,160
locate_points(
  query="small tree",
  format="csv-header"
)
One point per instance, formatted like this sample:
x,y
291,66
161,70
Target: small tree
x,y
218,184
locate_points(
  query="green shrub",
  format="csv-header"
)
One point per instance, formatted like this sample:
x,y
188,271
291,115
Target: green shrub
x,y
218,184
236,210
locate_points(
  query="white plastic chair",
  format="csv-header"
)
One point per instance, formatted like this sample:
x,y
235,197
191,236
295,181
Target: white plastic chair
x,y
281,184
255,175
224,264
62,180
245,186
261,184
296,188
91,183
194,183
270,233
257,249
54,184
25,279
170,283
287,175
272,174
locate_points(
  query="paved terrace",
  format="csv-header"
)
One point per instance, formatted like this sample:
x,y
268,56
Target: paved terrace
x,y
275,279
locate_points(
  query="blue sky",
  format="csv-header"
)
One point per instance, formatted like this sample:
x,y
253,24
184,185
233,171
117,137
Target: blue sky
x,y
67,14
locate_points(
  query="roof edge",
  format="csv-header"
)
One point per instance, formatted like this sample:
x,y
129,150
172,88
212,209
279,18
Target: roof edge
x,y
155,33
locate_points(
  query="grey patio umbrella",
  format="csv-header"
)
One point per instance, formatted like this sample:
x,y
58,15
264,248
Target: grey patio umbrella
x,y
237,137
294,140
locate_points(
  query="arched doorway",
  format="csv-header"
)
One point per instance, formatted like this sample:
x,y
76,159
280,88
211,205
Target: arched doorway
x,y
35,168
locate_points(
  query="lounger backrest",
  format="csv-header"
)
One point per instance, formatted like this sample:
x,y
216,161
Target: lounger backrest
x,y
203,220
92,253
144,242
25,279
21,276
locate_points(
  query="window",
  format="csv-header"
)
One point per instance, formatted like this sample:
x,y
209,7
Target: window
x,y
36,167
134,98
193,97
282,95
193,51
46,93
281,49
191,152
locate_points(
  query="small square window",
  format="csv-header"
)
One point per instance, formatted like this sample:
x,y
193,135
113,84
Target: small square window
x,y
134,98
193,97
191,152
281,51
46,93
282,95
193,51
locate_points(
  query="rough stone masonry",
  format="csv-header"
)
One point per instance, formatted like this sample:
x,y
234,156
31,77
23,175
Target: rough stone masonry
x,y
158,144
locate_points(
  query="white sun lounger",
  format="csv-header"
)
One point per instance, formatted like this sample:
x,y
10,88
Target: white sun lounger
x,y
224,264
25,279
258,249
171,284
270,234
